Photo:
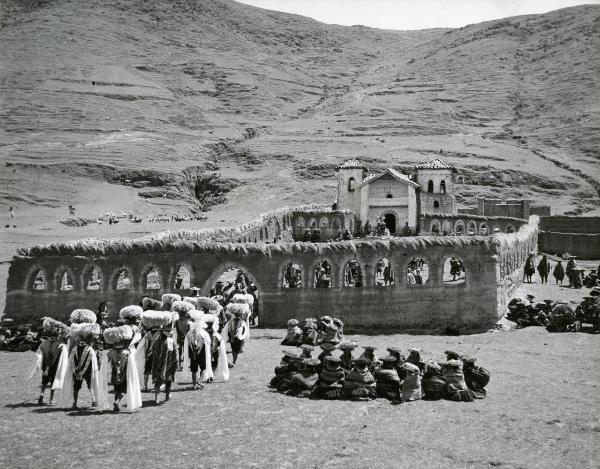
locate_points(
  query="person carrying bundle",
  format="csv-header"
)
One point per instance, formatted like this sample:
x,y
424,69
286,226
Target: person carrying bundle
x,y
294,334
238,329
123,370
48,354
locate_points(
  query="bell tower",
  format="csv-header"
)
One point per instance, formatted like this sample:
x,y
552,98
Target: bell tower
x,y
350,175
436,180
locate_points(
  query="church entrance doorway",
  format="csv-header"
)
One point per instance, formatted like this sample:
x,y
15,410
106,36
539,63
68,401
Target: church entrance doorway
x,y
390,222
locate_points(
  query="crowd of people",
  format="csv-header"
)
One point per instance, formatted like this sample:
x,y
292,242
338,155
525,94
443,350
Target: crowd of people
x,y
396,377
576,276
153,340
556,316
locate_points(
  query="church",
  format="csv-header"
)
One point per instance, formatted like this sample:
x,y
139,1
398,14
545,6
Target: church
x,y
394,197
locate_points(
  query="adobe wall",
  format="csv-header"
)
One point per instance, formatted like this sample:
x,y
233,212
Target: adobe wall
x,y
513,250
585,246
469,223
328,222
570,224
433,308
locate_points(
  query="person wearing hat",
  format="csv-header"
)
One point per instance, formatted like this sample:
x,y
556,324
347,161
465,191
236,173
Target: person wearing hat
x,y
49,352
118,358
476,377
84,365
543,268
411,386
347,359
303,383
456,388
307,350
529,268
309,332
369,355
294,334
433,382
400,359
285,368
559,273
164,361
331,379
339,333
328,349
199,343
387,379
414,357
359,384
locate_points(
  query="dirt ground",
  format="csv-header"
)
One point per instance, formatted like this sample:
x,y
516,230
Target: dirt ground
x,y
541,411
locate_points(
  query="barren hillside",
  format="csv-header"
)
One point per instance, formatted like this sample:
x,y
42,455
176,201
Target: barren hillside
x,y
203,102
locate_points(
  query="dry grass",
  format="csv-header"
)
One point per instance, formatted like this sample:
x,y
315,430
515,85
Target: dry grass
x,y
541,412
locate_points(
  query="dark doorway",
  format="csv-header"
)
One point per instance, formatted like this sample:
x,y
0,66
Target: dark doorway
x,y
390,222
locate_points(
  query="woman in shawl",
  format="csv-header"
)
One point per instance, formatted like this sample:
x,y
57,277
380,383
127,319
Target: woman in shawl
x,y
331,379
303,383
387,379
359,384
411,386
456,389
294,334
476,377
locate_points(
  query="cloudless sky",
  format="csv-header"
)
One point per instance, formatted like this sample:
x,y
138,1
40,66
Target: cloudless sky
x,y
412,14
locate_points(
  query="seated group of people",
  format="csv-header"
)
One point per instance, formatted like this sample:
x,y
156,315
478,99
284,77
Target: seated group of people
x,y
394,377
314,332
556,316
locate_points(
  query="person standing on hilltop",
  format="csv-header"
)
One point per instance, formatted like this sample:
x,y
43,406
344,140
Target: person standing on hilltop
x,y
543,268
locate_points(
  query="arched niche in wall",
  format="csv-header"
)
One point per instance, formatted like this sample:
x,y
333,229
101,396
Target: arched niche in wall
x,y
351,184
510,229
384,273
435,227
300,222
471,228
454,271
483,229
183,278
459,227
443,187
446,227
292,275
353,274
92,278
151,279
64,279
324,222
39,279
430,186
417,271
122,279
322,274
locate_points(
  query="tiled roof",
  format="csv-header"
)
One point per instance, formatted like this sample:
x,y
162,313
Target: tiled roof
x,y
434,164
403,177
350,164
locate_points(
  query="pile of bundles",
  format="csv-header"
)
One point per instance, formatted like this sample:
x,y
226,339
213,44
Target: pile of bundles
x,y
314,332
589,311
556,316
526,312
18,338
592,279
394,377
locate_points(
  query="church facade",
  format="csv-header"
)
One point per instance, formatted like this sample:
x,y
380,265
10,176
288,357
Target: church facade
x,y
396,198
